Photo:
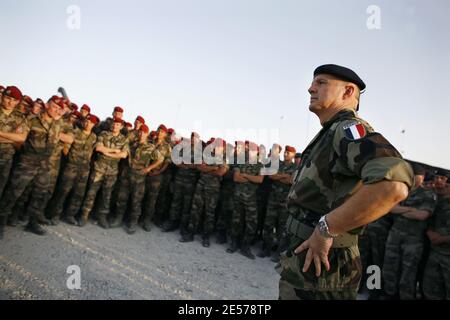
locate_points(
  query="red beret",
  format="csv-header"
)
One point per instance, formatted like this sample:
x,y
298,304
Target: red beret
x,y
162,127
86,107
76,114
118,120
129,125
170,131
93,119
153,134
290,149
2,88
118,109
28,100
57,100
74,107
140,119
144,128
13,92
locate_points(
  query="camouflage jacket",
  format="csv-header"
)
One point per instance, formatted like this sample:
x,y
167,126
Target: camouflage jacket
x,y
12,123
279,188
345,154
67,128
247,189
82,148
107,164
440,222
165,150
142,155
42,138
420,199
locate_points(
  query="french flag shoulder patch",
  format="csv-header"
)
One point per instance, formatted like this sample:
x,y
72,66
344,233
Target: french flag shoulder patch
x,y
354,131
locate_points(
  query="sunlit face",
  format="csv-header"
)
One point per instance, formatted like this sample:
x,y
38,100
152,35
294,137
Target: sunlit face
x,y
143,136
84,113
288,155
418,180
88,125
36,109
54,111
137,124
326,91
117,114
162,135
116,127
9,103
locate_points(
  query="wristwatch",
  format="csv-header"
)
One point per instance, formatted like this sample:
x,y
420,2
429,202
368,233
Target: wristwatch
x,y
323,228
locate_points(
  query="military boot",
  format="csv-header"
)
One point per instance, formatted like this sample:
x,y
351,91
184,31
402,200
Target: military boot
x,y
169,226
54,221
233,246
102,222
116,222
247,252
71,220
221,237
264,252
147,224
205,240
41,219
33,226
187,237
83,220
2,226
13,219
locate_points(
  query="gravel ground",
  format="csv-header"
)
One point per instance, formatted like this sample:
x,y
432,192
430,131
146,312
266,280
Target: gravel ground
x,y
115,265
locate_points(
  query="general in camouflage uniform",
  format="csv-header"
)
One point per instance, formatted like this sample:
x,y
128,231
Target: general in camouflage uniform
x,y
42,135
11,121
155,177
436,279
344,163
206,197
143,158
244,220
76,173
277,213
111,147
405,243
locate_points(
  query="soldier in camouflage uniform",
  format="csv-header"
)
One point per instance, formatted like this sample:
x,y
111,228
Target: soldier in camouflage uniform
x,y
111,146
133,135
107,124
226,198
277,213
349,176
155,177
144,157
244,221
206,194
184,186
436,279
11,121
405,243
41,135
76,173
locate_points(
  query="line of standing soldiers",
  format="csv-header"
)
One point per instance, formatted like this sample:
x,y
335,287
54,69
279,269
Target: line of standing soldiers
x,y
56,161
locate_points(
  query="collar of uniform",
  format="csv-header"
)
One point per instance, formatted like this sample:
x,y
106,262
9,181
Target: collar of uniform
x,y
341,114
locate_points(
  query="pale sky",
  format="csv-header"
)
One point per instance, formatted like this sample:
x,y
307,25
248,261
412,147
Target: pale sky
x,y
238,69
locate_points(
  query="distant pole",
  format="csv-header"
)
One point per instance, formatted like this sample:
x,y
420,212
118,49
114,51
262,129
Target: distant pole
x,y
63,93
402,150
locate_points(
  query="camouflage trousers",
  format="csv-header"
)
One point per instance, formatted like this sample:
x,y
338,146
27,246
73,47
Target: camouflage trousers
x,y
226,200
99,180
74,178
5,169
27,172
245,219
275,222
436,279
205,200
153,186
182,199
401,262
131,185
164,196
53,170
377,234
341,282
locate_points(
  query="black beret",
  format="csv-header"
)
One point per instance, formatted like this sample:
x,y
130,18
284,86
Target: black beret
x,y
441,172
418,169
341,73
298,155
